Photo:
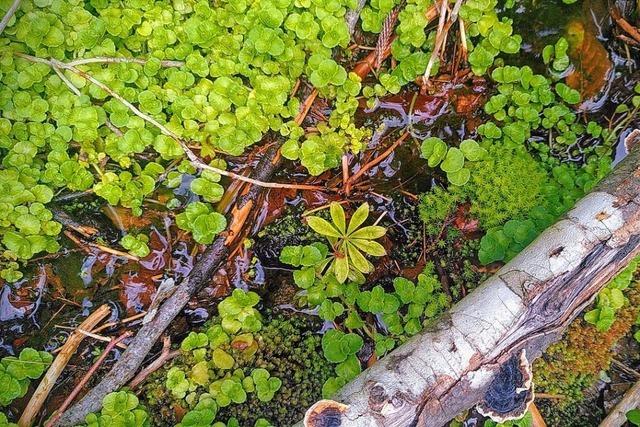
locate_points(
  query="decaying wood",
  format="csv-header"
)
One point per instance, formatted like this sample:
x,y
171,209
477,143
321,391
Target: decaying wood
x,y
525,306
618,415
68,350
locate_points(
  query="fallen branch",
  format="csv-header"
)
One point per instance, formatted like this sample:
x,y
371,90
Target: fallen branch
x,y
480,351
166,355
618,415
85,379
193,158
132,358
68,350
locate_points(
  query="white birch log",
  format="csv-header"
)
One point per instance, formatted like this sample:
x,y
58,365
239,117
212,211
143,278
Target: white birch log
x,y
519,311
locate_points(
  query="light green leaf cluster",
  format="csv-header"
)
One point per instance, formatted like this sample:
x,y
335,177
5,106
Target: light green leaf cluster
x,y
341,348
611,298
17,372
240,63
556,55
238,312
492,34
136,244
129,189
201,221
208,380
4,421
120,408
452,159
349,243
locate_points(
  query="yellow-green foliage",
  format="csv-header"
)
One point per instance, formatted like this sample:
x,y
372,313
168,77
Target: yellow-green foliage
x,y
506,186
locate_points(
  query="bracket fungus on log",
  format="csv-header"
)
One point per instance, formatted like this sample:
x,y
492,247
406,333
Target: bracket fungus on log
x,y
526,305
324,413
510,392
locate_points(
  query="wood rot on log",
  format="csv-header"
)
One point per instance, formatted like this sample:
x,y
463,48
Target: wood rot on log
x,y
475,353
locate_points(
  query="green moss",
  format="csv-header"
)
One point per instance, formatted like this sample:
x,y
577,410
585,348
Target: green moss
x,y
287,347
436,207
506,186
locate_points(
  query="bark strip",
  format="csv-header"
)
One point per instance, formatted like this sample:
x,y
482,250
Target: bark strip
x,y
526,305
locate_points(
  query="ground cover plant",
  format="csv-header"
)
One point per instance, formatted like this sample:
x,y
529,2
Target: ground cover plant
x,y
414,157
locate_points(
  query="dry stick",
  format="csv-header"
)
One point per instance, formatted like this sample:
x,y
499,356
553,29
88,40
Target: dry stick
x,y
626,26
120,322
195,160
85,379
441,34
439,40
345,173
617,416
102,248
538,421
7,16
354,178
68,350
166,355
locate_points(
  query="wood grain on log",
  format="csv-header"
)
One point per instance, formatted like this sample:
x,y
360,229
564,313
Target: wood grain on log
x,y
525,306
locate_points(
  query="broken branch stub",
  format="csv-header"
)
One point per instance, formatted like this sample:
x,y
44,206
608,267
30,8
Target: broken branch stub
x,y
473,354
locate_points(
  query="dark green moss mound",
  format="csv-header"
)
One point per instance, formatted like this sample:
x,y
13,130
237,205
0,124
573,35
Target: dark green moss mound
x,y
290,350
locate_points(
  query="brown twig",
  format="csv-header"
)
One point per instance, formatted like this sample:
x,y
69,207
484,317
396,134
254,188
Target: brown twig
x,y
103,248
166,355
354,178
624,25
85,379
345,174
536,416
120,322
68,350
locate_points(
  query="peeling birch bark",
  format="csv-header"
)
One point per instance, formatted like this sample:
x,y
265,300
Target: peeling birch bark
x,y
525,306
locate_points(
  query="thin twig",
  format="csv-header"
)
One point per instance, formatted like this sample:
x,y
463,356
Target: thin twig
x,y
166,355
66,81
7,16
195,160
119,60
68,350
354,178
120,322
345,173
439,40
85,379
